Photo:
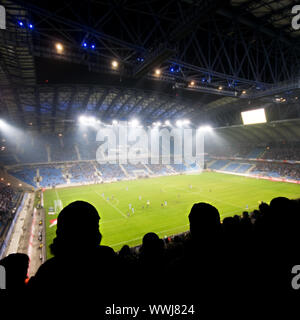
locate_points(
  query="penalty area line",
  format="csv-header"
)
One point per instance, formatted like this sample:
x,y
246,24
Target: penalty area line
x,y
117,209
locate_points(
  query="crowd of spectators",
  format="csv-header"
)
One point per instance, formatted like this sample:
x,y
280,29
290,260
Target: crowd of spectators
x,y
50,175
110,171
285,170
282,152
229,150
249,257
159,169
82,172
8,199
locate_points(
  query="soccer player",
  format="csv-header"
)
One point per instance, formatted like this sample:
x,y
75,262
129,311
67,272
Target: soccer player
x,y
129,206
140,198
148,203
166,203
132,210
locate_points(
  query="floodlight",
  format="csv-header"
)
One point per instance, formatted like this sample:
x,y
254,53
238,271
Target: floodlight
x,y
156,124
167,123
114,64
88,120
179,123
157,72
186,121
82,119
205,128
59,47
134,123
115,122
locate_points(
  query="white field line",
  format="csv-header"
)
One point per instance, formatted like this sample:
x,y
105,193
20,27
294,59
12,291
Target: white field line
x,y
116,208
163,231
59,199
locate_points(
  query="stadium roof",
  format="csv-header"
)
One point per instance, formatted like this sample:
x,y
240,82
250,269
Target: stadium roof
x,y
239,55
279,131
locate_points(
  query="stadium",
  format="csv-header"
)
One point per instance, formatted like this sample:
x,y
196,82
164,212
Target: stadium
x,y
143,109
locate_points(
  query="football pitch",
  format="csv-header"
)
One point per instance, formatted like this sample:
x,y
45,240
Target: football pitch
x,y
162,204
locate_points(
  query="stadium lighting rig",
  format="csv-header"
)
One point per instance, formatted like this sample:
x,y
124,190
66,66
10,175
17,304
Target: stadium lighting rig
x,y
88,120
23,24
156,124
205,129
181,123
134,123
167,123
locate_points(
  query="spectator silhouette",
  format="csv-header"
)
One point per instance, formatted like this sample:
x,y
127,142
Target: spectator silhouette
x,y
198,267
204,222
152,266
152,249
79,264
16,266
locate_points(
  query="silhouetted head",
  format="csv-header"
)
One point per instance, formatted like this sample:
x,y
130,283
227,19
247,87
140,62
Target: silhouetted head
x,y
152,244
285,215
77,227
125,251
16,266
280,205
204,219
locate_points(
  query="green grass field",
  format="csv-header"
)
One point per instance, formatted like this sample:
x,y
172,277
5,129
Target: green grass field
x,y
230,194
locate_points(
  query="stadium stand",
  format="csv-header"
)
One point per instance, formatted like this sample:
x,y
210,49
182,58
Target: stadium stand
x,y
90,171
219,164
288,171
255,153
27,175
50,176
110,172
9,198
